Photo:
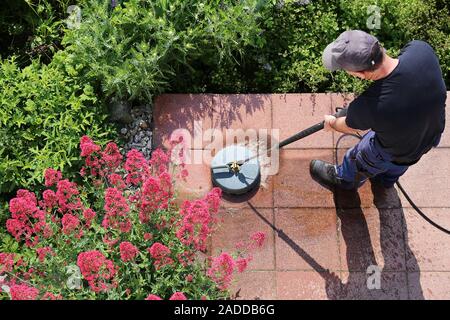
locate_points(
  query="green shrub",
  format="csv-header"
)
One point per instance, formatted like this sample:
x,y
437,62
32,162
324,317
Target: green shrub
x,y
43,112
143,47
403,21
32,28
295,33
305,30
139,49
299,33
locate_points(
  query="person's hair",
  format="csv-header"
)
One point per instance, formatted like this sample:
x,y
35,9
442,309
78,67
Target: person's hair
x,y
376,57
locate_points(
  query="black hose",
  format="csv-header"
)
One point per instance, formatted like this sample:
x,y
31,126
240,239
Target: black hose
x,y
411,202
420,212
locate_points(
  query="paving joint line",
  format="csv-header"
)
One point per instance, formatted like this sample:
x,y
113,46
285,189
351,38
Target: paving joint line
x,y
332,270
274,252
405,235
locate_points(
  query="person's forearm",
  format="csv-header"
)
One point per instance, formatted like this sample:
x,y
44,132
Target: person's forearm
x,y
342,127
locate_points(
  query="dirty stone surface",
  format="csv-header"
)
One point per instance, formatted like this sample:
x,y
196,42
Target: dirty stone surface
x,y
370,245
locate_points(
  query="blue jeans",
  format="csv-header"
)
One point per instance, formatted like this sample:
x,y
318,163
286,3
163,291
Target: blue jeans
x,y
367,160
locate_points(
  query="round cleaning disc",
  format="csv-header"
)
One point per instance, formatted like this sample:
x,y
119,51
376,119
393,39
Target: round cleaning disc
x,y
239,182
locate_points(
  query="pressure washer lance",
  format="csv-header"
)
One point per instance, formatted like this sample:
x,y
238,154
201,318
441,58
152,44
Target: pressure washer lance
x,y
235,166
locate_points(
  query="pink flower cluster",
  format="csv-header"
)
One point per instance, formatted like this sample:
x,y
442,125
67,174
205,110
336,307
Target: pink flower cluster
x,y
175,296
198,218
116,211
67,196
97,270
156,190
111,158
160,161
100,163
27,221
242,264
50,200
23,292
257,240
116,181
153,297
32,224
155,195
160,254
61,211
139,169
52,177
223,266
178,296
6,262
136,166
43,252
70,224
89,215
127,251
221,270
88,147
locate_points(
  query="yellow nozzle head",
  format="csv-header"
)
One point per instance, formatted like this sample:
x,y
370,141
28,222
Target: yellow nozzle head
x,y
235,167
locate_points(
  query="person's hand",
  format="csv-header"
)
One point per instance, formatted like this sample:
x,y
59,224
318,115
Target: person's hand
x,y
329,123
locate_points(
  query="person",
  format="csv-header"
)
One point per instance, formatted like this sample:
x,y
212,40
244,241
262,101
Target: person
x,y
403,110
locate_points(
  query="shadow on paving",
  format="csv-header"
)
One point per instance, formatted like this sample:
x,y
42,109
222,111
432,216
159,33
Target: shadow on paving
x,y
230,108
359,250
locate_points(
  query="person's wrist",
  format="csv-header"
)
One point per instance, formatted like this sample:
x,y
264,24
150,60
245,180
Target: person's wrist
x,y
332,122
329,122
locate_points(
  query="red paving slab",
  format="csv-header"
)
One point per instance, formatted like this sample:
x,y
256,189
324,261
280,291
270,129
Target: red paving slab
x,y
237,226
427,182
238,118
370,237
392,286
191,113
293,186
295,112
308,285
445,140
429,285
242,111
255,285
316,231
306,239
302,285
197,183
339,100
428,247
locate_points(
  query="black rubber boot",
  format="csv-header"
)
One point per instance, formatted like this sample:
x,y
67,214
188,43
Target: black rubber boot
x,y
324,173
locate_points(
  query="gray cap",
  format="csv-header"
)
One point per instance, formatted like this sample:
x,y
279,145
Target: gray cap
x,y
353,50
